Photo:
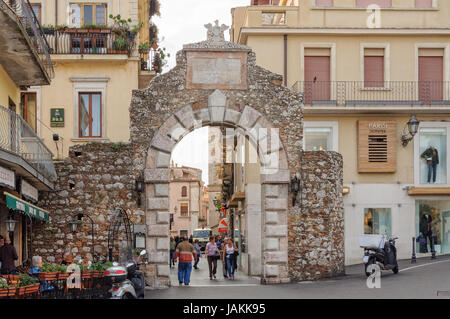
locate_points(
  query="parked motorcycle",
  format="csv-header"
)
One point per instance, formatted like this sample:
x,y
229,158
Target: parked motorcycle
x,y
127,281
379,250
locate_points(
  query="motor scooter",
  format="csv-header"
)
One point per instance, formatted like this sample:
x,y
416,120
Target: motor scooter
x,y
126,280
384,254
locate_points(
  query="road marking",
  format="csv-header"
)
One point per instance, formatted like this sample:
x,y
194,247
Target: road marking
x,y
433,263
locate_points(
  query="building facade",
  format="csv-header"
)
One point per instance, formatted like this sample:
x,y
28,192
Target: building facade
x,y
98,61
365,67
26,165
186,200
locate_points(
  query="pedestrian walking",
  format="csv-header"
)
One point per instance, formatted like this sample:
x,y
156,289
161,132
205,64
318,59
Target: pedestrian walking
x,y
8,255
199,253
212,254
173,245
186,252
191,240
229,257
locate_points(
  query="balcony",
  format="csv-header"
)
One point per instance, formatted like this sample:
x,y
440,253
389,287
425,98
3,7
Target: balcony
x,y
395,94
89,41
21,148
16,16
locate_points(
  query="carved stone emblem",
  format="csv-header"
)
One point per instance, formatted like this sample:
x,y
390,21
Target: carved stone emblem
x,y
216,32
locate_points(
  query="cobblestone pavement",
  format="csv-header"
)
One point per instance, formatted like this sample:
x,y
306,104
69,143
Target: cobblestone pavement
x,y
421,280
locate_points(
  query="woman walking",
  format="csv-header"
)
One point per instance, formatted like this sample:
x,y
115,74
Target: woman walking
x,y
229,257
172,251
198,251
212,253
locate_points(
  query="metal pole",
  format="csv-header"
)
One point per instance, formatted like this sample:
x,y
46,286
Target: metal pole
x,y
413,257
433,252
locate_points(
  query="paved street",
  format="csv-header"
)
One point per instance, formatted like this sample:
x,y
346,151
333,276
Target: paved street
x,y
420,280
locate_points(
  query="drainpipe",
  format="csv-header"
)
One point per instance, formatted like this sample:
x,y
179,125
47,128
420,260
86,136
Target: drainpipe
x,y
56,32
285,60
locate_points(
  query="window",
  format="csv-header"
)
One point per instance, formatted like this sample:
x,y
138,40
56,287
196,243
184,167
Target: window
x,y
437,226
183,233
381,3
320,136
90,110
29,109
184,210
374,68
433,155
184,191
36,7
377,221
83,14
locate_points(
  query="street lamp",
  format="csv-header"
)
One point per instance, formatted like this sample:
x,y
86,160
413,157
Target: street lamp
x,y
10,224
74,227
413,127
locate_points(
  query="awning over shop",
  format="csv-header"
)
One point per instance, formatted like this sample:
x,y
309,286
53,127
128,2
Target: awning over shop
x,y
18,204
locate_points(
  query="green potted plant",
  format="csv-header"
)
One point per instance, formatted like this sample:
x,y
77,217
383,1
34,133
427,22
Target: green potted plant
x,y
62,272
26,285
144,47
48,272
120,44
48,29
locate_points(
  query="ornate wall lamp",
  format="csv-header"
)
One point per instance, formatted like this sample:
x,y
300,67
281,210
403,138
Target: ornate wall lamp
x,y
413,127
295,187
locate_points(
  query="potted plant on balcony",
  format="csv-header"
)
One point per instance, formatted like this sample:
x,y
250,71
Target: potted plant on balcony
x,y
144,47
62,272
6,290
120,44
48,29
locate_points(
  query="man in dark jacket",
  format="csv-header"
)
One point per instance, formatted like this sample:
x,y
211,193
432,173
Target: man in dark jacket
x,y
8,255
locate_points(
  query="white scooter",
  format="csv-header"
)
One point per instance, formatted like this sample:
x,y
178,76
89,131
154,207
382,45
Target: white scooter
x,y
127,281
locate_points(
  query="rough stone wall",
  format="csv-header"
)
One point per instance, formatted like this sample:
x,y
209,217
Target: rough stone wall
x,y
316,224
96,179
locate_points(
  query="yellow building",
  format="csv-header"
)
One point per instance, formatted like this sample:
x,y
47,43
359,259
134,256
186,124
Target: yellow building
x,y
97,65
365,68
26,165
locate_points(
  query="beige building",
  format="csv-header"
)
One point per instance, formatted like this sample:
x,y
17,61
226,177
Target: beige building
x,y
186,200
26,164
365,67
97,65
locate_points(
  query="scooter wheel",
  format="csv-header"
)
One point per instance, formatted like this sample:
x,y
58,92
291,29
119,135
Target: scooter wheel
x,y
127,296
395,270
367,266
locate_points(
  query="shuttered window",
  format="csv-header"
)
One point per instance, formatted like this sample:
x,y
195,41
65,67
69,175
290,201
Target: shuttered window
x,y
184,191
184,210
377,146
374,67
424,3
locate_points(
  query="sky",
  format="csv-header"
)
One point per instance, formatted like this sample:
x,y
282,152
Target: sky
x,y
182,22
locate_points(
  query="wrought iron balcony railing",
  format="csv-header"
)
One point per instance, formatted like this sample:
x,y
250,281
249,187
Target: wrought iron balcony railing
x,y
343,93
88,41
17,137
22,8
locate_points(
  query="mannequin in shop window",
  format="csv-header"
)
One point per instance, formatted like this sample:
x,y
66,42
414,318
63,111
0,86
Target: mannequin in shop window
x,y
426,231
431,155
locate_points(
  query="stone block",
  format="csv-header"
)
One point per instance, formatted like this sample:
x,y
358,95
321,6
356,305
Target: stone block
x,y
162,160
282,177
163,270
270,190
217,114
271,270
217,98
159,257
272,244
162,143
275,257
276,230
157,175
275,204
162,243
162,190
158,230
186,117
271,218
232,116
177,131
158,203
162,217
203,116
248,118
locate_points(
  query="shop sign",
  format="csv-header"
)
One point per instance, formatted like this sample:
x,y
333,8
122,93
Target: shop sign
x,y
29,191
17,204
223,226
57,117
7,178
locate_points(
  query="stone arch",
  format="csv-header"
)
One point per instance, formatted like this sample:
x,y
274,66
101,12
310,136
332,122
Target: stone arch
x,y
275,178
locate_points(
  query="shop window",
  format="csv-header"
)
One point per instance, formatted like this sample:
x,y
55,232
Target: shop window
x,y
433,155
184,210
84,14
433,221
90,110
184,191
29,109
320,136
377,221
